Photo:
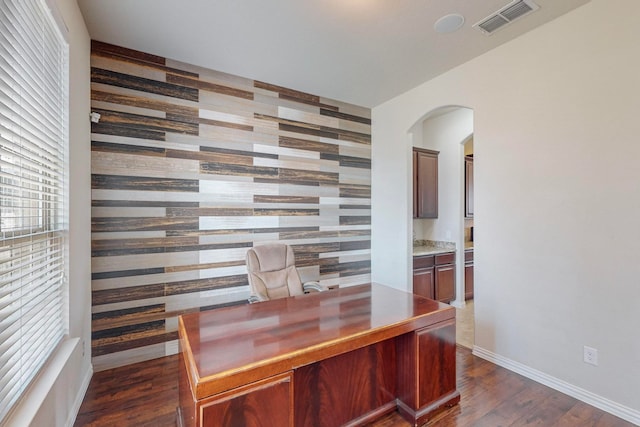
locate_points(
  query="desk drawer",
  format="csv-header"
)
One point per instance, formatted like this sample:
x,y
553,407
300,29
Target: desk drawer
x,y
271,399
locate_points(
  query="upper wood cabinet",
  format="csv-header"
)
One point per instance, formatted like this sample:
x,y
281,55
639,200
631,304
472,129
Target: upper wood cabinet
x,y
425,183
468,187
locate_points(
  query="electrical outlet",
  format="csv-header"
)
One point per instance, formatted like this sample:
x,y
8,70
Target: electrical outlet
x,y
591,356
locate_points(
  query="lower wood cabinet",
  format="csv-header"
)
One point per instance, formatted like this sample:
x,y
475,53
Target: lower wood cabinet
x,y
423,282
434,276
424,276
468,274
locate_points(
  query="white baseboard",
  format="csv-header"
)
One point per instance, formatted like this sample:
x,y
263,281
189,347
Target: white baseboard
x,y
82,391
624,412
457,304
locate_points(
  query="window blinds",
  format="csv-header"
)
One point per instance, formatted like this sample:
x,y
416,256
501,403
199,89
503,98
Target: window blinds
x,y
33,152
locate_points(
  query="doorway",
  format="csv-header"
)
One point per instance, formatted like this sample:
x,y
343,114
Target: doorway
x,y
465,313
449,131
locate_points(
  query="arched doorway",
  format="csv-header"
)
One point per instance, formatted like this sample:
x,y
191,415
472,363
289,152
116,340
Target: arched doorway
x,y
449,131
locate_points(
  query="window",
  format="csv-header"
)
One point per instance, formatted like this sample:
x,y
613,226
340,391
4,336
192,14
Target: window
x,y
33,153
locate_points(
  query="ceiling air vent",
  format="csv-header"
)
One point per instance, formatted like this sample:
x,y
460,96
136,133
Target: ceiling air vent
x,y
506,15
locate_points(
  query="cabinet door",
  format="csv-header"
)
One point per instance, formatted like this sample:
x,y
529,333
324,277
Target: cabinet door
x,y
427,184
427,371
445,283
423,281
468,280
468,187
437,362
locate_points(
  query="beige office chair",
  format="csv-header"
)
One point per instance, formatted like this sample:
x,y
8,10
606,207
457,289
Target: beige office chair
x,y
272,273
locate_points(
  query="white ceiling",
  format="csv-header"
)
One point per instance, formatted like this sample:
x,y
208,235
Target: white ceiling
x,y
358,51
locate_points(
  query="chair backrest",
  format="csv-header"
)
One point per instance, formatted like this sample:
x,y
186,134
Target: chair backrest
x,y
272,272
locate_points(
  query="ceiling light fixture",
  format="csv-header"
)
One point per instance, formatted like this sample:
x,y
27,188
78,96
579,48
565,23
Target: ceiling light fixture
x,y
449,23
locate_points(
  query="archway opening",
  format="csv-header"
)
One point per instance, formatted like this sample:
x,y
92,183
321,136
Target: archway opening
x,y
448,131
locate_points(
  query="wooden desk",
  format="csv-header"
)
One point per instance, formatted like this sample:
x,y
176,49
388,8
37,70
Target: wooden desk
x,y
341,357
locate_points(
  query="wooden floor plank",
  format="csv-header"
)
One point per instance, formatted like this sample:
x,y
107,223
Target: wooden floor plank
x,y
146,394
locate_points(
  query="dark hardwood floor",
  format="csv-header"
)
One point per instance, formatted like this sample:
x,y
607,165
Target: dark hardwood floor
x,y
146,394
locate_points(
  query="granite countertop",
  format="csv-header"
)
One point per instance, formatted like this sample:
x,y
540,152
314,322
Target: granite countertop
x,y
429,250
432,247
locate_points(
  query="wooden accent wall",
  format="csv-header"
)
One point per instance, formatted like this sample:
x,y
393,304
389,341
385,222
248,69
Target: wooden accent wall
x,y
190,168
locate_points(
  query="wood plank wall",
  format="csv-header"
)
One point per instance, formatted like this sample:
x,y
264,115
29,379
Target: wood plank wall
x,y
190,168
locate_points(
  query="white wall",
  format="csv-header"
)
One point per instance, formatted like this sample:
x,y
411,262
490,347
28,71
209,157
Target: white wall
x,y
391,199
56,396
557,198
77,373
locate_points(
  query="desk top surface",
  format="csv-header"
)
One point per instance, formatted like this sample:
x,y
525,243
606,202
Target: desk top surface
x,y
225,341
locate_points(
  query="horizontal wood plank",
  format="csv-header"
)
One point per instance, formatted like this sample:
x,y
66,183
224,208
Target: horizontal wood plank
x,y
190,167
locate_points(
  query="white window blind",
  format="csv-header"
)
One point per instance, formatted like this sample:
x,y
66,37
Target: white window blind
x,y
33,153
